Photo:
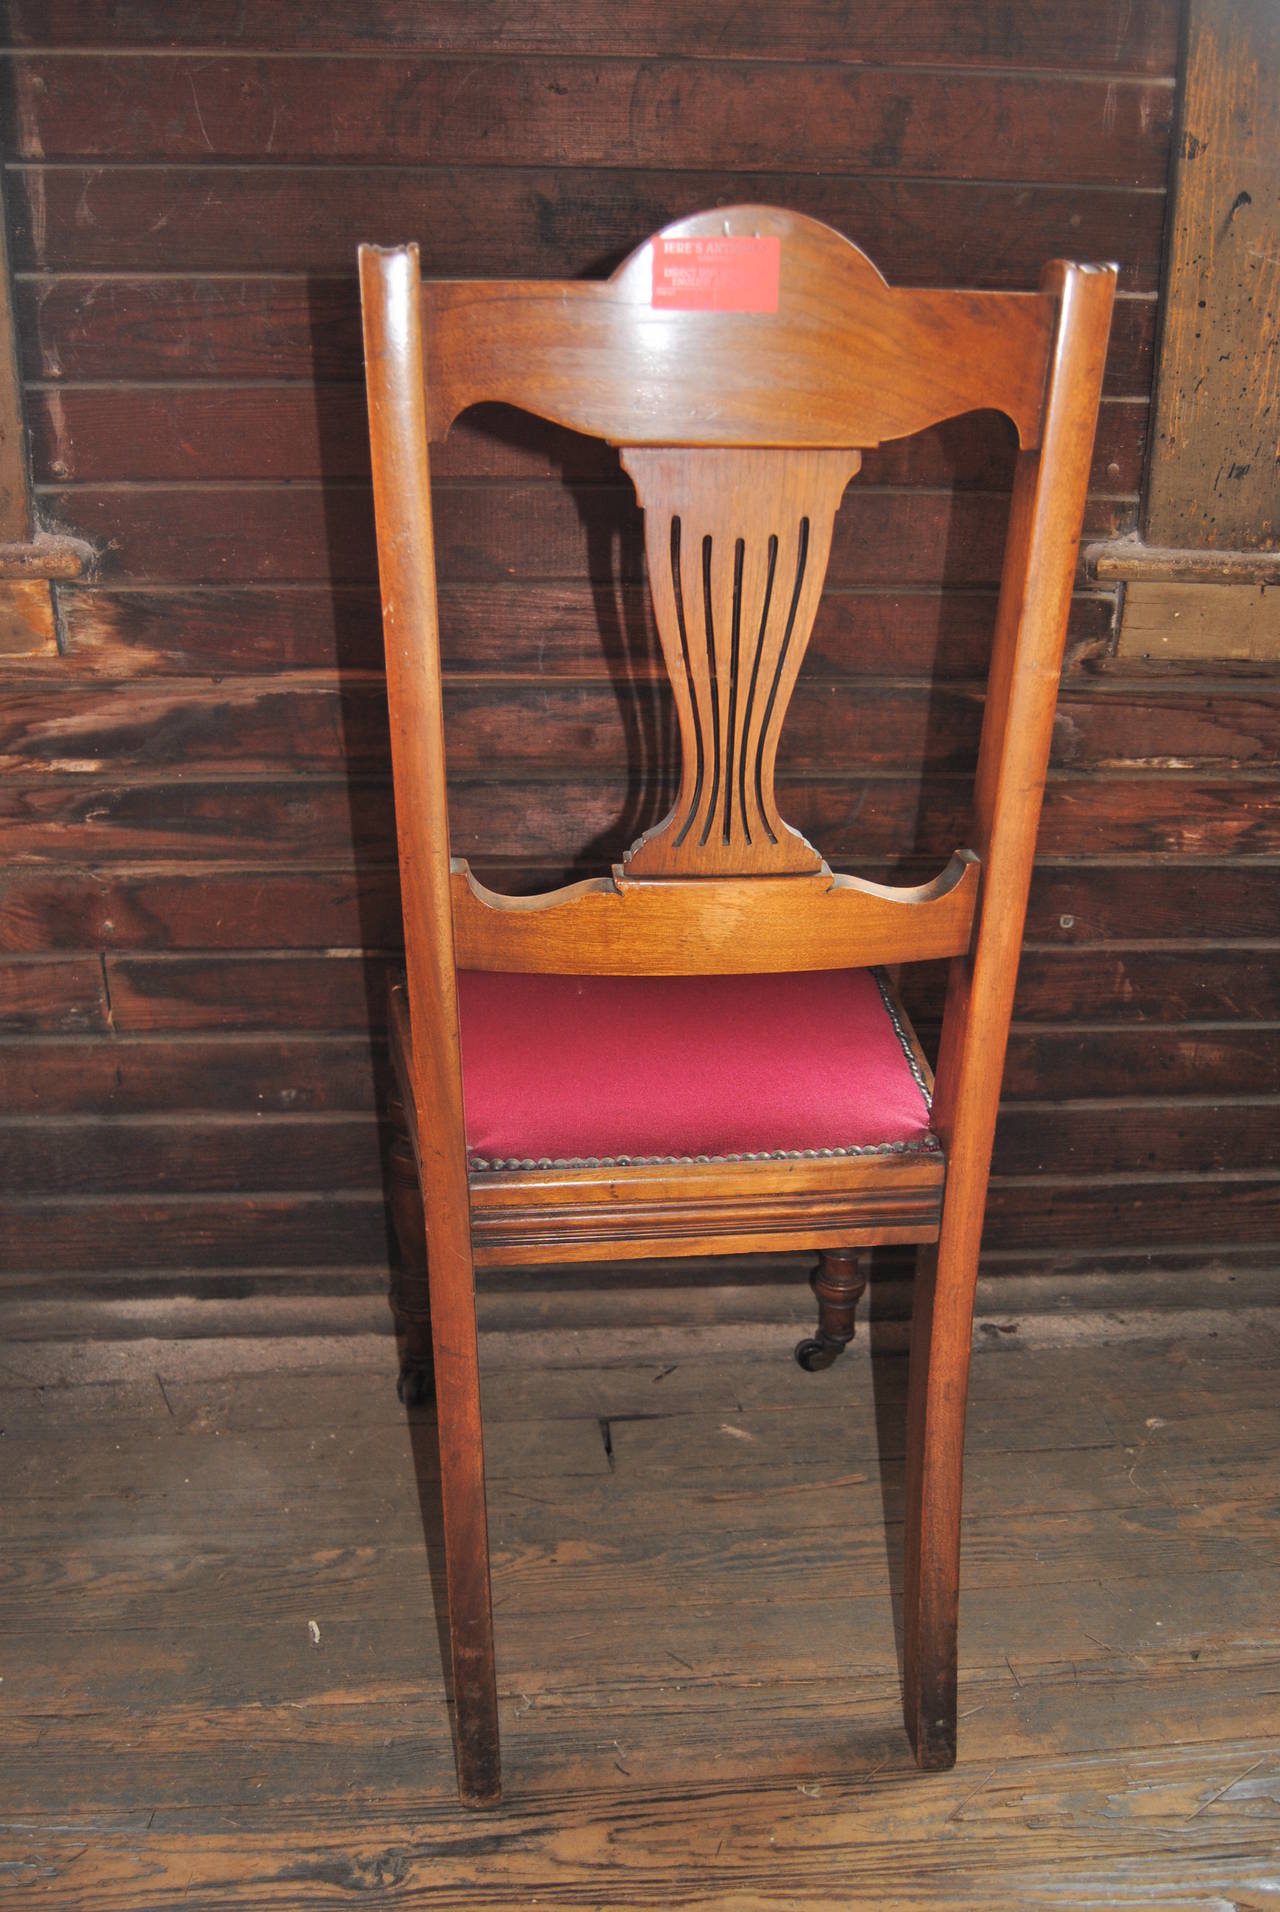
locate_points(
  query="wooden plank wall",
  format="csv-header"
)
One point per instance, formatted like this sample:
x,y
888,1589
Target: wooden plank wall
x,y
199,895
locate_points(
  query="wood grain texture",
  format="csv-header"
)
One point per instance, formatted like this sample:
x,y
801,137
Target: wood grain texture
x,y
1213,468
548,222
193,533
1120,1641
600,112
1100,34
199,433
272,1150
537,629
317,726
857,819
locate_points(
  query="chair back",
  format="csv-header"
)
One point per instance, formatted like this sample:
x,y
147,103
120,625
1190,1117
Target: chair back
x,y
742,361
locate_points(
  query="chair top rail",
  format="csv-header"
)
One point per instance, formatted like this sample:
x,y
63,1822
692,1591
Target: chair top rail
x,y
747,326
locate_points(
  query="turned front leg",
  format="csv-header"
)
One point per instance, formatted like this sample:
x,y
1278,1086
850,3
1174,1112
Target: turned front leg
x,y
836,1284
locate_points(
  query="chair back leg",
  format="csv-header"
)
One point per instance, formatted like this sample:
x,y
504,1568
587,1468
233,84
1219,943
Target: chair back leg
x,y
937,1392
466,1530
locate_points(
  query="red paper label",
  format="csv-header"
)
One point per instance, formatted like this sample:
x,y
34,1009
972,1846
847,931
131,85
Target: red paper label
x,y
710,274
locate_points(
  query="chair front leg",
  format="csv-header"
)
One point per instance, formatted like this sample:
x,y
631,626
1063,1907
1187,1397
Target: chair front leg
x,y
941,1333
835,1282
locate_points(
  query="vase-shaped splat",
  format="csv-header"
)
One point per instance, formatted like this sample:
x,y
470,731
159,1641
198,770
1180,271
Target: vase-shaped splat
x,y
737,545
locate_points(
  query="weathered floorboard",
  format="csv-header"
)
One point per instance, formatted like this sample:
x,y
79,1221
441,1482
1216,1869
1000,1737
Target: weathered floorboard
x,y
223,1677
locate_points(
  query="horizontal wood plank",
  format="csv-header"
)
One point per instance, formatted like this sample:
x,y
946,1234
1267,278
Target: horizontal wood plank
x,y
850,818
598,112
279,726
1139,985
311,1154
1146,903
220,432
530,628
51,908
340,992
502,530
512,222
233,1075
138,1235
1104,35
66,995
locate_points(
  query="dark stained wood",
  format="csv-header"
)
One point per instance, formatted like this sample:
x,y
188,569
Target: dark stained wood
x,y
339,991
317,727
1213,468
1147,984
66,995
96,1235
194,534
513,111
1121,903
546,222
202,432
190,908
233,1075
541,630
296,1238
1100,35
302,1154
857,820
1167,1062
16,522
52,909
1112,988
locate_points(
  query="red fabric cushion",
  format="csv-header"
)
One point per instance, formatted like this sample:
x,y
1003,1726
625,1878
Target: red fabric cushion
x,y
605,1068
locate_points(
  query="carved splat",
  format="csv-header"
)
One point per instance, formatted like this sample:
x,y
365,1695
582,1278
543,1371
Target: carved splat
x,y
737,545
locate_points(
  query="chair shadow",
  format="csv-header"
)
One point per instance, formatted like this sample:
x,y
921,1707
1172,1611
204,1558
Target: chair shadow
x,y
424,1447
887,1333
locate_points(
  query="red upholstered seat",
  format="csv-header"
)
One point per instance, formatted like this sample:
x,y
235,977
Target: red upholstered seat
x,y
559,1070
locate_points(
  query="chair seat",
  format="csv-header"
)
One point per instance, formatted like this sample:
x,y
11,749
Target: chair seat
x,y
585,1071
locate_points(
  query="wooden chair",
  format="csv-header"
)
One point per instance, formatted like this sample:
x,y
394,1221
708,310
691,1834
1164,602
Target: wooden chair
x,y
742,361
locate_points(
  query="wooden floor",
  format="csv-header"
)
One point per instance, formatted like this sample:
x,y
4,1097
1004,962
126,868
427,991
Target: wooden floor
x,y
220,1642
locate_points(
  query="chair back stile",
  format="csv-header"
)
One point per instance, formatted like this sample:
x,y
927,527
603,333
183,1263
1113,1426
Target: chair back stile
x,y
391,303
